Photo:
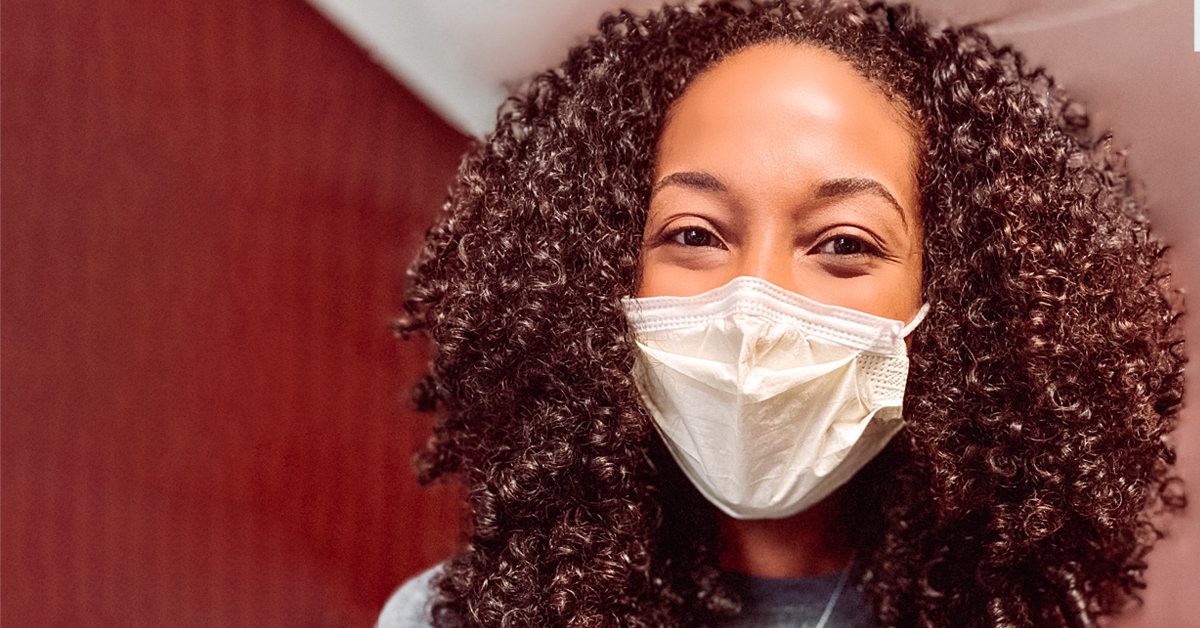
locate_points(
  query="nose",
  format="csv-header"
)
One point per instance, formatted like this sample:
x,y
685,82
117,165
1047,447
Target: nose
x,y
771,257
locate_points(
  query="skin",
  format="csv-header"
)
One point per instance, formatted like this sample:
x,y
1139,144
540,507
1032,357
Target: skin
x,y
783,162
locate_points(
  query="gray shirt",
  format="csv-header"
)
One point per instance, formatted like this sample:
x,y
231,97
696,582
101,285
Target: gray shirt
x,y
768,603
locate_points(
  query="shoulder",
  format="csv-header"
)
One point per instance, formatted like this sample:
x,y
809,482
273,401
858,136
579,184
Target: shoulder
x,y
409,605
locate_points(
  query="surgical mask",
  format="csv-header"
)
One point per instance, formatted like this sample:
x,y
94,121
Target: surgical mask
x,y
768,400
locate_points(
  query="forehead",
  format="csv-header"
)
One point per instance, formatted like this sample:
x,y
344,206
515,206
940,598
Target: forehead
x,y
780,63
778,110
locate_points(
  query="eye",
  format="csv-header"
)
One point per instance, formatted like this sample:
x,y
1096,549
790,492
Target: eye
x,y
696,236
847,245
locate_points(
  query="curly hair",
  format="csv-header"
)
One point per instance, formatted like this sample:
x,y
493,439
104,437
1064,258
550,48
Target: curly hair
x,y
1043,384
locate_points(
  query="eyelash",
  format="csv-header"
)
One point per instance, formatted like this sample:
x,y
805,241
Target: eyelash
x,y
866,246
676,236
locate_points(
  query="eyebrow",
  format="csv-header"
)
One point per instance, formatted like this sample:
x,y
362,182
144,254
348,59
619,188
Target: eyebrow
x,y
706,182
702,181
856,185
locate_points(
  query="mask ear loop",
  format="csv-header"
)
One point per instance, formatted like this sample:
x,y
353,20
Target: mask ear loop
x,y
908,329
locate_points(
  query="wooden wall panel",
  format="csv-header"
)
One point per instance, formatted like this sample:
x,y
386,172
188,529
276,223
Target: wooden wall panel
x,y
207,209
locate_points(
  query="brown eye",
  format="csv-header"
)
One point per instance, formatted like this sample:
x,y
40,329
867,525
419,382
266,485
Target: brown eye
x,y
694,236
845,245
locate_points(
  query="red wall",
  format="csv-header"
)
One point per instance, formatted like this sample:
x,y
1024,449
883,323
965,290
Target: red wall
x,y
207,210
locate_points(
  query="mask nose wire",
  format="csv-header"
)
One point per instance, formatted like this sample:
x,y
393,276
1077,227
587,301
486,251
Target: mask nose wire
x,y
908,329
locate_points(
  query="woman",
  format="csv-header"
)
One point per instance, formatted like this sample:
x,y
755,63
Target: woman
x,y
829,168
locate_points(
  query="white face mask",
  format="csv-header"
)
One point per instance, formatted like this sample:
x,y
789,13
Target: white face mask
x,y
768,400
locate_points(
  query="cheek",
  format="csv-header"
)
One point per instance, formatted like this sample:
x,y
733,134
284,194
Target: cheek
x,y
655,277
649,280
888,295
661,278
906,294
891,290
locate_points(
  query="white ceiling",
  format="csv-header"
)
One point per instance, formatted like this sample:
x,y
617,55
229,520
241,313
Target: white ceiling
x,y
1132,61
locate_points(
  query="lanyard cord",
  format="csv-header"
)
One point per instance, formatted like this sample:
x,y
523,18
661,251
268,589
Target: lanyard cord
x,y
837,592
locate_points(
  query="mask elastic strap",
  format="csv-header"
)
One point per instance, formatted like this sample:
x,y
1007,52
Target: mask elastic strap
x,y
908,329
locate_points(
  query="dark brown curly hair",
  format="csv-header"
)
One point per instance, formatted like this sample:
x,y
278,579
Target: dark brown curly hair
x,y
1042,386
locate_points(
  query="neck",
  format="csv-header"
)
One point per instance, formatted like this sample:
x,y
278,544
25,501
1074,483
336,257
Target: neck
x,y
810,543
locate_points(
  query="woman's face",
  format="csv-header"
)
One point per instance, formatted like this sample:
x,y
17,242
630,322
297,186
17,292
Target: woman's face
x,y
782,162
